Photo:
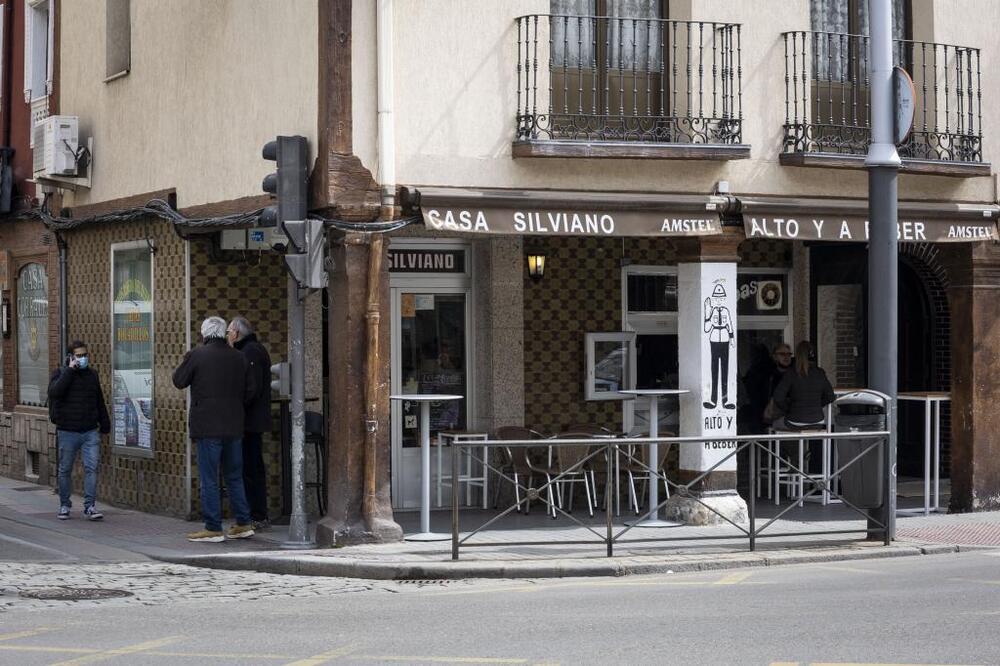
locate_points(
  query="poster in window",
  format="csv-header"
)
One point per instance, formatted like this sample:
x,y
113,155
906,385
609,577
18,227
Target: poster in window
x,y
132,326
32,335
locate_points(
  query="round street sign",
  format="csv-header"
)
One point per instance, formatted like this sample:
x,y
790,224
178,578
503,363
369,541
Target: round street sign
x,y
905,98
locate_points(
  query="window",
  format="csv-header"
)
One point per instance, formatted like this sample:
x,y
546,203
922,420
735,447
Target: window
x,y
132,348
32,335
37,50
834,56
609,363
118,39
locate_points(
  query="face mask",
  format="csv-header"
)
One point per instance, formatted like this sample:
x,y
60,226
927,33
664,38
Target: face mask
x,y
84,362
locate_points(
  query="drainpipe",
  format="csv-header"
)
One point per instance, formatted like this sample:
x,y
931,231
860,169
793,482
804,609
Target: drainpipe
x,y
387,176
63,311
386,138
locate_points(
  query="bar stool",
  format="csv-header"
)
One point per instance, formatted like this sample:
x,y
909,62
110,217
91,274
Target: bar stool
x,y
445,439
784,475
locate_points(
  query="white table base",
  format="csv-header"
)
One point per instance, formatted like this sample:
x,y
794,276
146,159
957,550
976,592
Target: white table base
x,y
654,519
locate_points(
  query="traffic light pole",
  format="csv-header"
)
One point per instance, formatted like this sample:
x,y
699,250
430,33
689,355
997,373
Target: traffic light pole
x,y
298,524
883,263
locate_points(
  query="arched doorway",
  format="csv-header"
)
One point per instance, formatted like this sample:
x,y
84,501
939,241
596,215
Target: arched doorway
x,y
916,367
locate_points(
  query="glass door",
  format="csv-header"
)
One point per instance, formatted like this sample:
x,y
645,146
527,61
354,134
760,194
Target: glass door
x,y
430,355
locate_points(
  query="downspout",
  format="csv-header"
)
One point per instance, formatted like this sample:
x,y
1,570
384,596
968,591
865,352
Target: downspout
x,y
387,175
63,295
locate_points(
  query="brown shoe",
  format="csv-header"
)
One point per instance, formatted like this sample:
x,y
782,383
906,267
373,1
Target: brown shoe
x,y
208,536
240,532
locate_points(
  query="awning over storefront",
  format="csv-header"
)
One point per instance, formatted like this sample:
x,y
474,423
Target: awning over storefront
x,y
846,220
570,213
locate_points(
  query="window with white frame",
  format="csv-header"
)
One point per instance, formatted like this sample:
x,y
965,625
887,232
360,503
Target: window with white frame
x,y
38,26
32,335
132,347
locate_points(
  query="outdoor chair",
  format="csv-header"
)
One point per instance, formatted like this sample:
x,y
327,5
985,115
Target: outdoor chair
x,y
596,466
517,462
636,470
571,469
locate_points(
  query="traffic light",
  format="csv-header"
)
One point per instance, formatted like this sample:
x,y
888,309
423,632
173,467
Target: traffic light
x,y
290,183
306,255
281,384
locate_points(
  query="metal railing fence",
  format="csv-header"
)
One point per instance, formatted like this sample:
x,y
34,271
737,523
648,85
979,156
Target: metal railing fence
x,y
612,449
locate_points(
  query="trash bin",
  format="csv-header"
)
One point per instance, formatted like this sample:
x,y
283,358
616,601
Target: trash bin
x,y
861,482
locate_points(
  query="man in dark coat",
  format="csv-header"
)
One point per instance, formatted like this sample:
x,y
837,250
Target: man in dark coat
x,y
221,384
257,418
76,407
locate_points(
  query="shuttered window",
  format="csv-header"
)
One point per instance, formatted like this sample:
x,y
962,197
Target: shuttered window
x,y
118,47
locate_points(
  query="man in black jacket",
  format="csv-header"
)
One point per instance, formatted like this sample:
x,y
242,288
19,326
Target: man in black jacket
x,y
76,407
221,384
257,418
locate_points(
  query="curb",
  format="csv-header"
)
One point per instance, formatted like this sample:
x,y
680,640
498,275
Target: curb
x,y
342,567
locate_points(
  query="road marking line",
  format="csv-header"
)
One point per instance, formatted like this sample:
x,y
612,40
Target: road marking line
x,y
24,634
784,663
115,652
315,660
443,660
734,579
42,648
837,663
831,567
976,580
218,655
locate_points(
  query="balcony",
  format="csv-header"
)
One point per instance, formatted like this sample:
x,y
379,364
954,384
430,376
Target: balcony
x,y
828,106
613,87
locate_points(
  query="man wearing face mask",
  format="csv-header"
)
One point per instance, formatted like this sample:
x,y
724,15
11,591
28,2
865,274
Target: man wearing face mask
x,y
76,407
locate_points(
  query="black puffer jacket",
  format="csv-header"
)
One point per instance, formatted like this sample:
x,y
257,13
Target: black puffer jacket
x,y
802,399
221,385
76,402
258,410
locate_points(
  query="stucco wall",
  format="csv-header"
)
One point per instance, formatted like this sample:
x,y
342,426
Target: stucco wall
x,y
210,83
455,101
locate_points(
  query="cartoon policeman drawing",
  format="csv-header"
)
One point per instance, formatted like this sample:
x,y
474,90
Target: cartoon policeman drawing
x,y
719,327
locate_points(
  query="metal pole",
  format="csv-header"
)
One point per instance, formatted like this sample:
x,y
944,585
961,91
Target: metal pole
x,y
425,468
654,457
883,164
752,508
298,524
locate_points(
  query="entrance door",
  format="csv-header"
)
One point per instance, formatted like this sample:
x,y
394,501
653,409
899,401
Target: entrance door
x,y
431,351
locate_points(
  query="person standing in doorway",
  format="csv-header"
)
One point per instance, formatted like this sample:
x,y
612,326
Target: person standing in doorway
x,y
803,393
76,407
221,383
257,420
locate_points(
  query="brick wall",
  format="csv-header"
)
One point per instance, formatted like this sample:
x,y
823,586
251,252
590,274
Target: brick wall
x,y
24,431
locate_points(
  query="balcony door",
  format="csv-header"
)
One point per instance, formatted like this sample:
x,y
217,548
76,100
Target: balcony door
x,y
606,67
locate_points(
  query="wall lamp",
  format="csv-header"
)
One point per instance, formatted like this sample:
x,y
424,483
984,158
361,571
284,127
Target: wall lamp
x,y
536,266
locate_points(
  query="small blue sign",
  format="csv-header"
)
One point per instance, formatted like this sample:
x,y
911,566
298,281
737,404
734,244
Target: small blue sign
x,y
257,235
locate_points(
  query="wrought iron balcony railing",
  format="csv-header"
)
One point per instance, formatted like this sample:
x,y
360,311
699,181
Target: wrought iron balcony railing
x,y
614,79
828,107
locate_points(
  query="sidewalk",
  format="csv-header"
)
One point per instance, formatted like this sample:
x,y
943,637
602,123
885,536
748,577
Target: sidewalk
x,y
128,535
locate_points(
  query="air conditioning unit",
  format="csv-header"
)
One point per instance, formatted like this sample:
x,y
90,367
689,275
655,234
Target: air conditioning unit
x,y
57,140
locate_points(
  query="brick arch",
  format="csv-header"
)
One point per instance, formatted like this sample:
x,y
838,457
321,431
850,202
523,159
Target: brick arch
x,y
926,261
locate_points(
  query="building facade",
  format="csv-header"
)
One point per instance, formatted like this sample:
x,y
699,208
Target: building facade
x,y
690,173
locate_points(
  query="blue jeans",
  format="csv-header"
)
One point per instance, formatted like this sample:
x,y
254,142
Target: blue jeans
x,y
229,453
69,443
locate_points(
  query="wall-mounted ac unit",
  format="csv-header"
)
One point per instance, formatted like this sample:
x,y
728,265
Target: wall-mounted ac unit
x,y
57,140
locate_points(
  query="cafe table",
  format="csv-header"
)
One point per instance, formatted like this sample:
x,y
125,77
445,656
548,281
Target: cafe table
x,y
425,400
932,408
653,395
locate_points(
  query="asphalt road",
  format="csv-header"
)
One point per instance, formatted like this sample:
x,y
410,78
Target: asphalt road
x,y
942,609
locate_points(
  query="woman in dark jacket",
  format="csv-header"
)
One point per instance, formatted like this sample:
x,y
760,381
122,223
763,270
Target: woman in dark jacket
x,y
803,393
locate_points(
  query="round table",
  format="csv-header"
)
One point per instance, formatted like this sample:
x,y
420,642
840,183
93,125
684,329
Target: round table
x,y
653,519
425,400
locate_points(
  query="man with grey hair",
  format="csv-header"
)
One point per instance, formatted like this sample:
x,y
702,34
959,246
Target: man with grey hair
x,y
257,418
221,383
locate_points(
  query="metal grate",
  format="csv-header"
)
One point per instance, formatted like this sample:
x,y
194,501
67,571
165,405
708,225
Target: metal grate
x,y
612,78
828,104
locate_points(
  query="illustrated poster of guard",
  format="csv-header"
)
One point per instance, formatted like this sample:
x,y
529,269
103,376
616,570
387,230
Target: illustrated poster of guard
x,y
719,327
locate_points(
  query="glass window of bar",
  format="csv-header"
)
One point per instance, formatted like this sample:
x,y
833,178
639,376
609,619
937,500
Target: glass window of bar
x,y
32,335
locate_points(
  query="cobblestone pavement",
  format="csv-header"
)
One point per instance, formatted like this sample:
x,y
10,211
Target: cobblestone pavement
x,y
156,583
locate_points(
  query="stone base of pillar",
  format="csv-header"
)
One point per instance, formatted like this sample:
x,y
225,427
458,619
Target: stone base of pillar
x,y
690,511
330,532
